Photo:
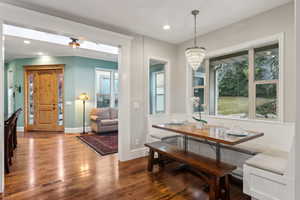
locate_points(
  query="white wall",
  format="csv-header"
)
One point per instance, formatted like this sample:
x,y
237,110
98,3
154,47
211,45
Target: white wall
x,y
142,49
266,24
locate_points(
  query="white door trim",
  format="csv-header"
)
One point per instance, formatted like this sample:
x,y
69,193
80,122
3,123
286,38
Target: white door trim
x,y
1,108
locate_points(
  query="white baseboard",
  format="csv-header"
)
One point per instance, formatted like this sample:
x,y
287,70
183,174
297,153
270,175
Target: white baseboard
x,y
67,130
138,153
77,130
20,129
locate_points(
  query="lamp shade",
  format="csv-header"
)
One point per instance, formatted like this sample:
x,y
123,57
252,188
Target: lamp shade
x,y
195,56
83,97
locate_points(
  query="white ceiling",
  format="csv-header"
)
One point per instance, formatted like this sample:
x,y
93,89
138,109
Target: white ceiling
x,y
15,48
148,16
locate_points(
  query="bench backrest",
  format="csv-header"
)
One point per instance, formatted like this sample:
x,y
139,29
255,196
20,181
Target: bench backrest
x,y
277,135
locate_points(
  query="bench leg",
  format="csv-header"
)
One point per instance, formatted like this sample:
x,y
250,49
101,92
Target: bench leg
x,y
227,188
214,188
161,161
150,160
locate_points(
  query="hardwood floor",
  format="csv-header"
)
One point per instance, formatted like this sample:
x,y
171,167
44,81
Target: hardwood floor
x,y
55,166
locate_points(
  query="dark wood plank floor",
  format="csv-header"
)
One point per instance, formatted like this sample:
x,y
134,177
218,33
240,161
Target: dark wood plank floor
x,y
55,166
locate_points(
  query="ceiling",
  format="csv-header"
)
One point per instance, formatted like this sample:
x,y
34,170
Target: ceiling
x,y
16,48
147,17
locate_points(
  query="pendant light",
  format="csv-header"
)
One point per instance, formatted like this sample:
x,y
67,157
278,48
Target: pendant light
x,y
195,55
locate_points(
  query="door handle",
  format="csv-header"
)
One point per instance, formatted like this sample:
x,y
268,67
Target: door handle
x,y
54,106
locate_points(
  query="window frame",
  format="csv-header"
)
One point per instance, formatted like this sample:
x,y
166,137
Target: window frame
x,y
167,86
247,46
112,85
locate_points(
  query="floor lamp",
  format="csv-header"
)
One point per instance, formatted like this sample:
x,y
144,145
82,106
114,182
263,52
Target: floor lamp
x,y
83,97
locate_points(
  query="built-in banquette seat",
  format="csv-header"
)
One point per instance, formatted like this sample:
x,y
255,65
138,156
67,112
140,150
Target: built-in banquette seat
x,y
263,164
269,175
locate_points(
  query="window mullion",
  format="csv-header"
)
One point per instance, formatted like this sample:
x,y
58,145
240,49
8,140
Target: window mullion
x,y
266,82
206,87
251,85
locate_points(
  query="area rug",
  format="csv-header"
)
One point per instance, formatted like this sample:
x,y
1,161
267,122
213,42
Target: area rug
x,y
104,143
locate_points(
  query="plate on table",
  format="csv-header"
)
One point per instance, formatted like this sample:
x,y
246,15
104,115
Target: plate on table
x,y
176,123
237,133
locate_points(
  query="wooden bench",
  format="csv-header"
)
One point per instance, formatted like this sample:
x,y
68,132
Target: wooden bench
x,y
215,174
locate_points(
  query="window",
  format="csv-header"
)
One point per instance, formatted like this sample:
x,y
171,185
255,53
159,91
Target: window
x,y
266,81
231,85
107,86
60,113
31,98
10,84
157,89
198,87
116,89
244,84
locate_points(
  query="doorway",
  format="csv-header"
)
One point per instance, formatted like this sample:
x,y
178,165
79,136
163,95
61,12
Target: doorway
x,y
44,100
51,23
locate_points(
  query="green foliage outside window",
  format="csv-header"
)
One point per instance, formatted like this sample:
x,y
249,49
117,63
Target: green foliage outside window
x,y
232,83
233,79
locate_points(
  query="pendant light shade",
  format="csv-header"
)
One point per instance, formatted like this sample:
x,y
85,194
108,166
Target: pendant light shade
x,y
195,55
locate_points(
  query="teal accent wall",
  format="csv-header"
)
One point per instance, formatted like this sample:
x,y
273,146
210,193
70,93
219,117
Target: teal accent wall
x,y
79,76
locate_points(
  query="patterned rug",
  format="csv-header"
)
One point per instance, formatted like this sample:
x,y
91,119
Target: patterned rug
x,y
104,143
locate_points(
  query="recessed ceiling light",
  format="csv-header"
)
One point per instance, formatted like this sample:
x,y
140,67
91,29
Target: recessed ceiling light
x,y
40,53
166,27
27,42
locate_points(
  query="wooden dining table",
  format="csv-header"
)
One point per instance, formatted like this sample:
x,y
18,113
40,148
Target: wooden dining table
x,y
216,134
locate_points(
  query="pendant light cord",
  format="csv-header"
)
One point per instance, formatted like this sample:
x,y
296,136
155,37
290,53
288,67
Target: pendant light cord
x,y
195,30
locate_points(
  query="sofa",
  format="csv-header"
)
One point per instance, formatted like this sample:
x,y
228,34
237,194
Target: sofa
x,y
104,120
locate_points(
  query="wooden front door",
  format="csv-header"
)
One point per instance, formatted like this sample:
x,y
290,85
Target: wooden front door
x,y
44,100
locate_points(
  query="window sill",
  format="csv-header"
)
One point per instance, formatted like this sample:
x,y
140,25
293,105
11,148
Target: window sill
x,y
245,119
